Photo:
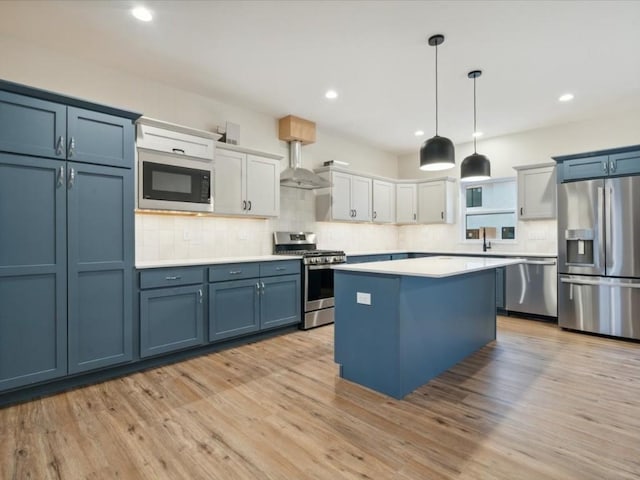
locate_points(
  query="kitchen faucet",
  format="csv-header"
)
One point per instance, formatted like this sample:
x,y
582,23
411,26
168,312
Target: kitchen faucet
x,y
485,245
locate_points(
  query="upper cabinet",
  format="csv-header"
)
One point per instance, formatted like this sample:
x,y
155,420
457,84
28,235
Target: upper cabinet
x,y
40,128
246,182
536,191
437,201
600,164
384,202
348,198
406,203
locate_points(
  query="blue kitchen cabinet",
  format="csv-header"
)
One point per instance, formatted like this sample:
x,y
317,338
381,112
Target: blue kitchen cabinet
x,y
100,240
367,258
581,168
40,128
30,126
601,164
627,163
268,296
500,288
33,270
171,319
280,301
234,308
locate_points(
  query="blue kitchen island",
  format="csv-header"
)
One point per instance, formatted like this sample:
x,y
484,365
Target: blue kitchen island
x,y
400,323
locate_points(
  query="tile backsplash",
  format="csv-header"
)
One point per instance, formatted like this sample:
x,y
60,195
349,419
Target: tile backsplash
x,y
176,237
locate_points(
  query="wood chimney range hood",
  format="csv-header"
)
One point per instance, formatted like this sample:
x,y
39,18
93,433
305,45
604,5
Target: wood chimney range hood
x,y
298,131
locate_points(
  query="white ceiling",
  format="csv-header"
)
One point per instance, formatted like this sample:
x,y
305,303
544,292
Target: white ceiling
x,y
279,57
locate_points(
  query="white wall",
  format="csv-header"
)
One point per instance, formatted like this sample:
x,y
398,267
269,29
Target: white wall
x,y
176,236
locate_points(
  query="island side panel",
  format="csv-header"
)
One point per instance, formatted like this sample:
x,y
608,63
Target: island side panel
x,y
366,336
442,321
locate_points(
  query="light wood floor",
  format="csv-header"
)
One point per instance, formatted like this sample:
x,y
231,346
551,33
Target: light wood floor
x,y
539,403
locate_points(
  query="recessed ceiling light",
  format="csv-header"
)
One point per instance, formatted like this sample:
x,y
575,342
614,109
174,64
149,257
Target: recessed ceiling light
x,y
143,14
331,94
477,134
567,97
418,133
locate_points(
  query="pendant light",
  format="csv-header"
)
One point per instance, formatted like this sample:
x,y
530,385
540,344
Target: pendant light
x,y
475,167
437,153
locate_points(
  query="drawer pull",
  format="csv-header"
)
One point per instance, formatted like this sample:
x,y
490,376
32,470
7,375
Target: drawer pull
x,y
235,272
177,277
178,150
279,269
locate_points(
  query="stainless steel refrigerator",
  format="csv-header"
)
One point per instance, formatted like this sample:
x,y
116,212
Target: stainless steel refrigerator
x,y
599,256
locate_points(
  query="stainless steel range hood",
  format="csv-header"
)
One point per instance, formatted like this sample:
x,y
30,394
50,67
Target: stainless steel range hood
x,y
297,177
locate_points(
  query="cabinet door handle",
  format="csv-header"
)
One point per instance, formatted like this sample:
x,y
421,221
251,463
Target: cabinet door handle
x,y
72,177
415,216
177,277
60,146
355,212
612,166
244,204
60,176
200,295
375,215
258,288
442,215
72,147
235,272
605,164
521,211
262,285
177,150
249,202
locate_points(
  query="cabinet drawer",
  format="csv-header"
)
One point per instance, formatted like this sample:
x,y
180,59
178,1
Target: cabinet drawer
x,y
233,271
288,267
170,277
179,143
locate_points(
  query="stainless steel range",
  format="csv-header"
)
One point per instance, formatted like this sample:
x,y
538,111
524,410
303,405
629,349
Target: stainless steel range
x,y
318,300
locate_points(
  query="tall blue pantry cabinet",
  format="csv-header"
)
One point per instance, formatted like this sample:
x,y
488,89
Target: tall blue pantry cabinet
x,y
66,236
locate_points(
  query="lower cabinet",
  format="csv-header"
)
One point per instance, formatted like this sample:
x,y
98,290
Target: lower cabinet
x,y
240,307
172,307
171,319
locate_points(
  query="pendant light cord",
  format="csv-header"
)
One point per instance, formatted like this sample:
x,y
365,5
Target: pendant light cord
x,y
436,89
475,129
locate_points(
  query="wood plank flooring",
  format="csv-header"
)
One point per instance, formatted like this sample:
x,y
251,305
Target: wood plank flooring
x,y
539,403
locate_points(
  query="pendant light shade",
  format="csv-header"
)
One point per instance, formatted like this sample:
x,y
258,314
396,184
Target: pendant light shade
x,y
475,167
437,153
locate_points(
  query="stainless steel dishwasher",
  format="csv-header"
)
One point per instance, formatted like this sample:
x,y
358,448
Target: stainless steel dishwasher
x,y
532,287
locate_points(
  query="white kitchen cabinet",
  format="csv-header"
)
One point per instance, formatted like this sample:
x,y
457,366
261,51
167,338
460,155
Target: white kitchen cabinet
x,y
171,138
246,182
436,201
384,202
536,191
406,203
349,198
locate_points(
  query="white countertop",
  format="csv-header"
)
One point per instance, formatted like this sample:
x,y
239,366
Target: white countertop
x,y
474,253
434,267
214,261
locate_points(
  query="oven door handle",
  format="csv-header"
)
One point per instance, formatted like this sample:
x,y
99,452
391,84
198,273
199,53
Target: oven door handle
x,y
318,267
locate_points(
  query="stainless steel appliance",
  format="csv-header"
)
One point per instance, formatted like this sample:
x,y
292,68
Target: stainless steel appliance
x,y
599,256
531,287
318,296
174,182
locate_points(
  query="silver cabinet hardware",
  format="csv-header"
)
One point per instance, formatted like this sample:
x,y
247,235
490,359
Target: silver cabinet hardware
x,y
200,295
262,285
177,277
612,166
604,166
60,146
60,176
72,177
72,147
279,269
235,272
